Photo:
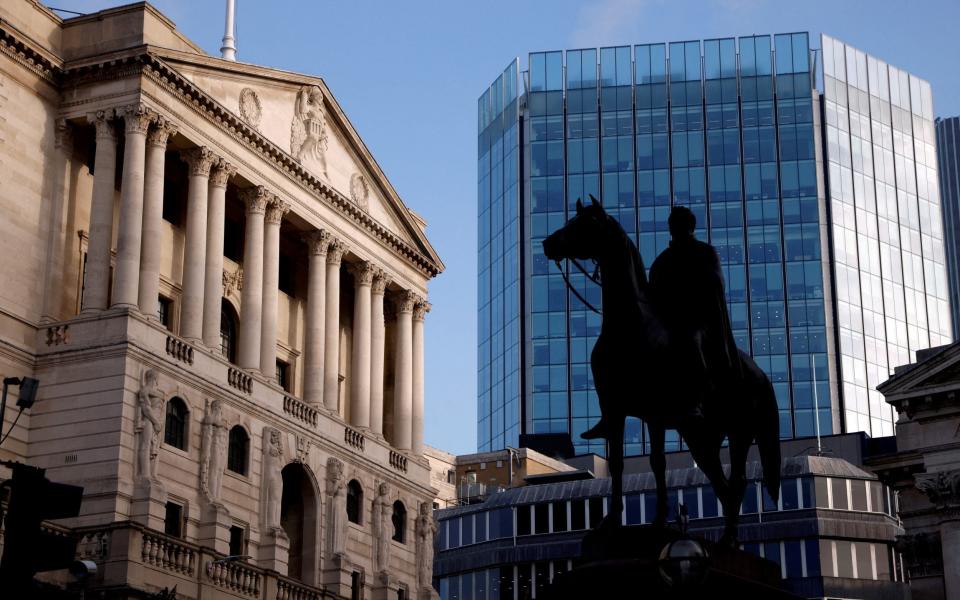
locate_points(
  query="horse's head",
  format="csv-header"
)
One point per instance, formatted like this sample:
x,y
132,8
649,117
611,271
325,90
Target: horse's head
x,y
582,235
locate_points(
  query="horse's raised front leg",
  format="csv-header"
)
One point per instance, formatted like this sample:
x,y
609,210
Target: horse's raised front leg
x,y
658,462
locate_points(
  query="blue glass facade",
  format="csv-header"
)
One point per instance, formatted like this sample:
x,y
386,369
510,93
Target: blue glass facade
x,y
948,153
731,128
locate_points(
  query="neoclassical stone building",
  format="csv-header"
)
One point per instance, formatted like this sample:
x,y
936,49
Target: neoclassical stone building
x,y
223,298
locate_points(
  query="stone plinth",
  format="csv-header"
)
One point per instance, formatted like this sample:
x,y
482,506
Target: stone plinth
x,y
274,551
336,576
149,506
215,528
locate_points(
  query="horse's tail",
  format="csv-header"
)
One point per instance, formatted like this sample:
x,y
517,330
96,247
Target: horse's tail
x,y
768,436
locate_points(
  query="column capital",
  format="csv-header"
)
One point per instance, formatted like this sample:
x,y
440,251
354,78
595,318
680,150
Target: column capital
x,y
255,198
102,121
199,159
335,251
317,241
221,172
136,118
363,272
276,208
405,301
380,281
64,134
161,132
420,309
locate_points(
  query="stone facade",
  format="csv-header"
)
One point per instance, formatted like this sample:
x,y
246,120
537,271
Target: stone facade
x,y
925,469
222,296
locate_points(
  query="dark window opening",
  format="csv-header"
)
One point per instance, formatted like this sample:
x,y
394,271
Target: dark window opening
x,y
399,522
165,312
354,502
286,276
233,240
228,331
173,520
283,375
401,594
238,541
356,585
238,450
175,427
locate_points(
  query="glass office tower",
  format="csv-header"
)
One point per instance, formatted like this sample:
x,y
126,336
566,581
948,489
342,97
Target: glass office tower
x,y
827,289
948,151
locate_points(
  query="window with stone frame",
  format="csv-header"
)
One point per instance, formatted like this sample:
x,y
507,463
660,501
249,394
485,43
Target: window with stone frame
x,y
399,522
283,375
355,502
238,450
175,424
165,312
173,519
228,331
238,540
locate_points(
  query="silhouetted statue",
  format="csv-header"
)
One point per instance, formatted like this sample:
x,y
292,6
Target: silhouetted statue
x,y
639,371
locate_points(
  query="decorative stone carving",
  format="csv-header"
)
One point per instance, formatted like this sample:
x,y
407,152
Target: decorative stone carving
x,y
360,191
420,309
161,132
250,108
199,160
303,449
426,529
255,198
363,272
405,301
317,242
336,508
308,131
380,281
221,172
137,118
272,489
232,282
276,208
941,487
103,124
148,425
335,252
213,459
382,529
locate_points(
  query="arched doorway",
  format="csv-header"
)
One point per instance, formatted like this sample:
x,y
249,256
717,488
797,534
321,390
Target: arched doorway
x,y
300,519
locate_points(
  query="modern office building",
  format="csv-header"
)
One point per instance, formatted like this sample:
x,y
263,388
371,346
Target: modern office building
x,y
813,172
948,151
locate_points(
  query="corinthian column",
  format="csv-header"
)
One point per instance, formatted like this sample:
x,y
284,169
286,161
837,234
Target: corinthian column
x,y
315,319
126,278
96,279
151,247
195,245
403,387
271,281
377,340
213,273
331,329
419,313
53,265
360,371
251,297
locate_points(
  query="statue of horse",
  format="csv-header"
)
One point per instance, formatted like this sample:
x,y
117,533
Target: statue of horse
x,y
636,374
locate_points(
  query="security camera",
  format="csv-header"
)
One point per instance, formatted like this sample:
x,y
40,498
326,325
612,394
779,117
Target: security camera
x,y
83,569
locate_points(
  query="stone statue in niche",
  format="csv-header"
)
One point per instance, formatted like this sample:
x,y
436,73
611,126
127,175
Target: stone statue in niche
x,y
250,109
272,489
148,425
426,530
382,529
308,131
213,451
360,191
336,508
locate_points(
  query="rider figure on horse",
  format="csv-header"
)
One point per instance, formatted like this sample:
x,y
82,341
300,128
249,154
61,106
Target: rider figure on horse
x,y
686,286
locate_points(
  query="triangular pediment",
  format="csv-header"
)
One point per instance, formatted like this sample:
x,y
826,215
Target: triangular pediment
x,y
298,114
939,372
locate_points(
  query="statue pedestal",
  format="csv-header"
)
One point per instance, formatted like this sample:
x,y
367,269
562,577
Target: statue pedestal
x,y
384,587
274,550
336,576
215,528
624,561
149,505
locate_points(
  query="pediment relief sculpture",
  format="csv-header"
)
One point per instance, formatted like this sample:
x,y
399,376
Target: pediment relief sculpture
x,y
308,131
250,108
360,191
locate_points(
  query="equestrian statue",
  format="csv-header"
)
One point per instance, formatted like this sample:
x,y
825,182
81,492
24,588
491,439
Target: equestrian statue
x,y
666,355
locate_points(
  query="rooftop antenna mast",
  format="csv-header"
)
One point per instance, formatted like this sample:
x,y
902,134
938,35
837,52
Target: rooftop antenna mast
x,y
229,49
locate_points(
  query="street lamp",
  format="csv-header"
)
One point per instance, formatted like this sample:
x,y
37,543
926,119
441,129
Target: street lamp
x,y
25,399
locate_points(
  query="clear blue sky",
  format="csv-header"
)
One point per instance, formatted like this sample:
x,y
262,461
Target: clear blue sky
x,y
408,74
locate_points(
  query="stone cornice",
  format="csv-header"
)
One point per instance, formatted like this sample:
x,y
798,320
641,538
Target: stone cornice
x,y
19,47
173,82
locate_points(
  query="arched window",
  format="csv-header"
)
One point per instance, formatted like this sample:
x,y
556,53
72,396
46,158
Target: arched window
x,y
228,331
238,450
399,522
354,502
175,427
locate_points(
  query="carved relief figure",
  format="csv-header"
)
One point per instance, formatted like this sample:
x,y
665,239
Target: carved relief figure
x,y
308,131
148,425
213,451
337,508
426,531
272,491
250,109
382,529
360,191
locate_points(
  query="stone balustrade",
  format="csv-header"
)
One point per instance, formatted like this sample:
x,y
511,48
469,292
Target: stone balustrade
x,y
235,576
398,461
167,553
287,589
353,438
300,411
179,349
240,380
